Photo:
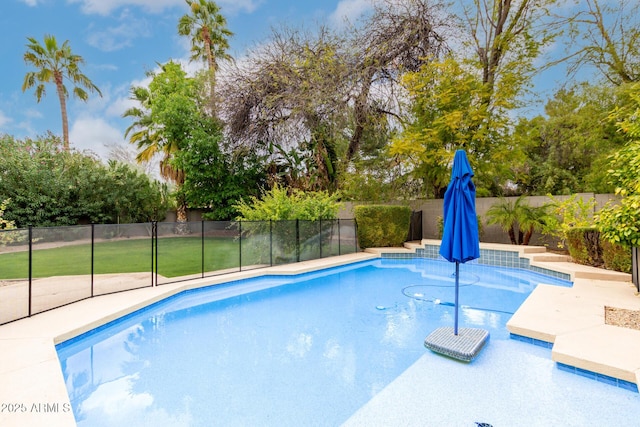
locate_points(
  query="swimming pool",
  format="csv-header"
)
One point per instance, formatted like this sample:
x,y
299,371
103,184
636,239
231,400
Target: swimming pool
x,y
303,350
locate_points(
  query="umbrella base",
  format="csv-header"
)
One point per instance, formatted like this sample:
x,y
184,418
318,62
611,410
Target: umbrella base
x,y
465,346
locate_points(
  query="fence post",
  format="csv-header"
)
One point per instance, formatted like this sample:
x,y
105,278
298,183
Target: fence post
x,y
240,244
30,264
339,239
320,236
154,253
93,234
355,233
271,243
297,240
202,254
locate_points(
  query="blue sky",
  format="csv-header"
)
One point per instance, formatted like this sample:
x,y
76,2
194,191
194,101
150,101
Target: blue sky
x,y
120,40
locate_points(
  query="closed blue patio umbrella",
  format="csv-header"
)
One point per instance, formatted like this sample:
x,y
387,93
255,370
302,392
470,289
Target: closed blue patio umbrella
x,y
460,240
460,243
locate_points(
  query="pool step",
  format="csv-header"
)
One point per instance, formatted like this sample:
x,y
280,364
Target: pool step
x,y
549,257
573,320
604,350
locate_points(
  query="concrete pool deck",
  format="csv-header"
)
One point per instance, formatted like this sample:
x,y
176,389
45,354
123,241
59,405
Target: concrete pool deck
x,y
32,389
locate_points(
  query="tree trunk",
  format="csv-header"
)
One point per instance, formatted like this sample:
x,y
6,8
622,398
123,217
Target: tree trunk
x,y
512,235
361,116
206,35
63,110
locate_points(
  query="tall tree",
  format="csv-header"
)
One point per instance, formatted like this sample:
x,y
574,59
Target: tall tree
x,y
290,101
506,36
168,111
450,112
567,150
605,35
169,120
321,99
55,64
464,100
209,34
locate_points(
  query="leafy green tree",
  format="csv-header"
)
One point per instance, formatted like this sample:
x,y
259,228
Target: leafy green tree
x,y
450,112
55,64
7,236
604,35
169,113
214,180
567,150
569,214
619,223
464,100
50,186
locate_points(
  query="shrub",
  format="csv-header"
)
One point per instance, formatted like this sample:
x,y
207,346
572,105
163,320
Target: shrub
x,y
616,257
279,204
572,213
584,246
382,225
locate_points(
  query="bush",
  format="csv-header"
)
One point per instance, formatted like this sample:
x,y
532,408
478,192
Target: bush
x,y
584,246
616,257
279,204
49,186
382,225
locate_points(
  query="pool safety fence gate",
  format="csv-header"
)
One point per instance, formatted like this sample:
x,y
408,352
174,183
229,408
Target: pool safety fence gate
x,y
42,268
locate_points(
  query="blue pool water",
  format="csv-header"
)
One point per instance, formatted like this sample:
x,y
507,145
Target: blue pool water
x,y
304,350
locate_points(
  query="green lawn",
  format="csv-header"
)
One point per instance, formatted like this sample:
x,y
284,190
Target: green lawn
x,y
177,256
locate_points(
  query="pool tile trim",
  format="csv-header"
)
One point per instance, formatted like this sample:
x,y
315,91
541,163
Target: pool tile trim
x,y
493,257
627,385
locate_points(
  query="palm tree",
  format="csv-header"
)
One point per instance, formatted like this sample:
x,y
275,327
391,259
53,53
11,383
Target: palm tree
x,y
504,214
54,64
209,35
518,218
148,137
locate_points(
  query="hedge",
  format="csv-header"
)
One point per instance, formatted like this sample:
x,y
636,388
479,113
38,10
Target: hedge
x,y
587,247
382,225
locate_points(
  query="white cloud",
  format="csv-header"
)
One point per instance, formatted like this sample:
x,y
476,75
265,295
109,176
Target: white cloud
x,y
32,113
105,7
94,134
119,106
30,3
120,36
350,11
235,6
4,120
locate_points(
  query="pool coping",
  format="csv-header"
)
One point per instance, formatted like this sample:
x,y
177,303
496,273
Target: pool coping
x,y
34,386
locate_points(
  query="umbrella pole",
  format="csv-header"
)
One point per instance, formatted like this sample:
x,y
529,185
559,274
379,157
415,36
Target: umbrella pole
x,y
455,328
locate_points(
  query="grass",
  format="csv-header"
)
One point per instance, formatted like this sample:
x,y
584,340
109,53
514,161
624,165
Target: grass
x,y
177,256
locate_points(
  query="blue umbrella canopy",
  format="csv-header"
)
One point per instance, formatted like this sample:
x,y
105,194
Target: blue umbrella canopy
x,y
460,240
460,243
